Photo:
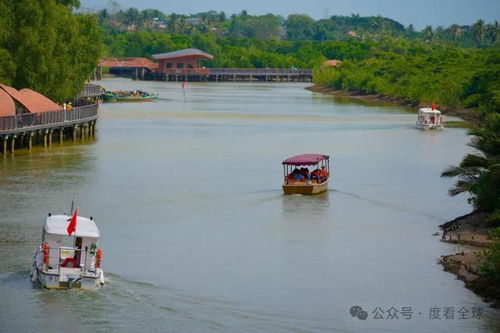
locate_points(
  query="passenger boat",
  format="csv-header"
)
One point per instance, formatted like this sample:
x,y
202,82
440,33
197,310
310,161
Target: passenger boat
x,y
430,118
298,179
128,96
68,257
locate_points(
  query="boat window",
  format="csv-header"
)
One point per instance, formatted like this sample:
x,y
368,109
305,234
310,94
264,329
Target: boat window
x,y
170,65
180,65
67,241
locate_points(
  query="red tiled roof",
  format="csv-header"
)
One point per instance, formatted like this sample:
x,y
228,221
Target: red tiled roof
x,y
128,63
7,107
30,100
43,104
333,63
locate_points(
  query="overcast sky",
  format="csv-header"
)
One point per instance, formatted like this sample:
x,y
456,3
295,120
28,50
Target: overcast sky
x,y
418,12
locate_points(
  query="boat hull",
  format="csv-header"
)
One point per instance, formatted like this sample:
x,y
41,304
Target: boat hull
x,y
58,281
426,127
305,189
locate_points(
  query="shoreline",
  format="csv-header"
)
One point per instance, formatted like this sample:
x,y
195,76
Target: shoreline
x,y
468,115
470,230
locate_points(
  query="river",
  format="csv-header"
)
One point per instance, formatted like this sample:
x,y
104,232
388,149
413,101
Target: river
x,y
198,237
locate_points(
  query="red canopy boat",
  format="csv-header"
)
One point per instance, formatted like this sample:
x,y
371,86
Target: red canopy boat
x,y
298,179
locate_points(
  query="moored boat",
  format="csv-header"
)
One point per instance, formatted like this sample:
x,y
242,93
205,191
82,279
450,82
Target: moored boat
x,y
68,257
128,96
302,181
430,118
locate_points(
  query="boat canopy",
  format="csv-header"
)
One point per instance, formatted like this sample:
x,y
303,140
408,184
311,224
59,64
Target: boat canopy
x,y
58,224
429,110
305,159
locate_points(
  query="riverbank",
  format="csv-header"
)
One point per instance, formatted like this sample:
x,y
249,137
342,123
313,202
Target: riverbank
x,y
470,230
468,115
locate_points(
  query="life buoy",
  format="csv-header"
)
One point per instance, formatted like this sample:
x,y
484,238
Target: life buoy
x,y
45,253
98,258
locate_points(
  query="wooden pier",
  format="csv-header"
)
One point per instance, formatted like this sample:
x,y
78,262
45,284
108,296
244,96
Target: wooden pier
x,y
220,74
28,129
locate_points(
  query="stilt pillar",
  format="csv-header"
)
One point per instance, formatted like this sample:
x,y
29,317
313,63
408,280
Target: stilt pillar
x,y
30,141
4,145
74,132
50,137
13,144
45,139
61,135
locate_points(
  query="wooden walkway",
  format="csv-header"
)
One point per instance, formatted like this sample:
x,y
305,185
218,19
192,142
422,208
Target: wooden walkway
x,y
24,130
226,74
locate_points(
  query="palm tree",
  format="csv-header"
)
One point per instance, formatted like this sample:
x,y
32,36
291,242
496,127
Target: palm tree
x,y
494,32
174,18
456,32
428,34
478,31
479,172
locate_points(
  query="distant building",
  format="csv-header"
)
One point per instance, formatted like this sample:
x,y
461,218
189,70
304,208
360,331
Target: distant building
x,y
332,63
194,21
351,33
181,61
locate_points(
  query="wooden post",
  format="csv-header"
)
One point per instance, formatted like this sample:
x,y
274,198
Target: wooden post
x,y
13,144
30,140
61,135
74,133
50,137
82,131
4,149
45,139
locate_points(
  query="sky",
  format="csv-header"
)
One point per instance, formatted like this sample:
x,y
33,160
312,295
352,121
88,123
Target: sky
x,y
417,12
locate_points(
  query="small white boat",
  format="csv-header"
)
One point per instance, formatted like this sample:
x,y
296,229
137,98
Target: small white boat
x,y
429,118
66,262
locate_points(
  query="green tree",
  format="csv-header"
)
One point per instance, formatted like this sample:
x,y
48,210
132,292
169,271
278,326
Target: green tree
x,y
478,30
53,50
299,27
479,173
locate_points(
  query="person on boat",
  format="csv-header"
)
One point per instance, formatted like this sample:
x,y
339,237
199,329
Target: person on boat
x,y
315,175
69,107
324,173
299,177
305,173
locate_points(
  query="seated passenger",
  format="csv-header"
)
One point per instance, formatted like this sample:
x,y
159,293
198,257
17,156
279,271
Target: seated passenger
x,y
299,177
324,173
315,175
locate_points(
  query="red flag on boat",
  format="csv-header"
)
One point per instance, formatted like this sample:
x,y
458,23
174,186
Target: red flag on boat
x,y
72,224
433,107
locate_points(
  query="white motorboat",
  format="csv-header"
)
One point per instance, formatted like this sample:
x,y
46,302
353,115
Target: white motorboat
x,y
68,256
429,118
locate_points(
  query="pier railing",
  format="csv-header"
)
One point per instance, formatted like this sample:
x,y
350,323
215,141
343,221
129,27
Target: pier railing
x,y
260,71
186,71
90,90
238,71
33,121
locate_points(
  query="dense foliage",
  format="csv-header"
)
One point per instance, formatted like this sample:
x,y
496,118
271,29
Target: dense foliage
x,y
237,52
425,73
45,47
294,27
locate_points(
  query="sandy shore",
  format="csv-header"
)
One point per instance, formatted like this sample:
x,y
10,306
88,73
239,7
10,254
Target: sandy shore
x,y
469,115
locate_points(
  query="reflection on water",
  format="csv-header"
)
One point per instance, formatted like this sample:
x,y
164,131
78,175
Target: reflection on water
x,y
196,232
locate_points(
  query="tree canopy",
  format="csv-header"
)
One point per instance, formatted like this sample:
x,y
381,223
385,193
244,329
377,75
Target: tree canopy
x,y
45,47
